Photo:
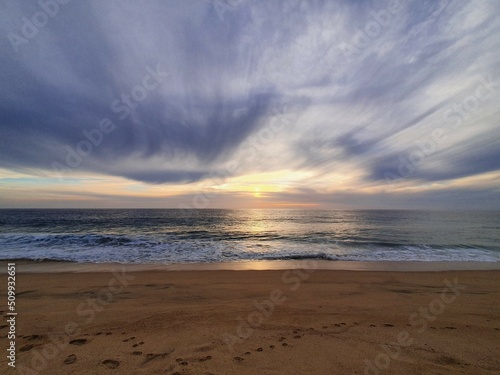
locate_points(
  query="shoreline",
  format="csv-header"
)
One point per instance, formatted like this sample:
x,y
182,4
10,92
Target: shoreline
x,y
50,266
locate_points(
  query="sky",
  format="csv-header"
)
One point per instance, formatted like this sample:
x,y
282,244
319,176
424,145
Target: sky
x,y
250,104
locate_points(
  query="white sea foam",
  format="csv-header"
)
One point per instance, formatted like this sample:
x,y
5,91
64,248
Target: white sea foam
x,y
96,248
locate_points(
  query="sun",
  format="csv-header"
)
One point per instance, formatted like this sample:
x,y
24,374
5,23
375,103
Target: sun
x,y
257,192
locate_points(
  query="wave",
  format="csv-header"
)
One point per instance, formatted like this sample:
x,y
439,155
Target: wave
x,y
47,240
318,256
168,248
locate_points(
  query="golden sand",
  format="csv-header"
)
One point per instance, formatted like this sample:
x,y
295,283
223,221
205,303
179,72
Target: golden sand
x,y
256,322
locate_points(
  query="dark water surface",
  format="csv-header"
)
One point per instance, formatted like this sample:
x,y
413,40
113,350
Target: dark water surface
x,y
179,236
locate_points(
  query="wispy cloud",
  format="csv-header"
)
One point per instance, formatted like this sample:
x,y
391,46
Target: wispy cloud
x,y
413,69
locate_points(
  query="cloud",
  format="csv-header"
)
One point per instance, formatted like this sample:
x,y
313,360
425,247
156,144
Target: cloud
x,y
222,77
83,62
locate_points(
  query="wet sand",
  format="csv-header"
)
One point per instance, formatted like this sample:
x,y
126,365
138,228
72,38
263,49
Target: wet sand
x,y
301,321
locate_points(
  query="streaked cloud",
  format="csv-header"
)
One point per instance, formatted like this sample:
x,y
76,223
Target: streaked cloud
x,y
406,116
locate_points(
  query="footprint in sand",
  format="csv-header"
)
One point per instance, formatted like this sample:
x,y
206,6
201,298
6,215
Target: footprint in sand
x,y
32,337
206,348
284,344
238,359
78,342
297,337
272,346
136,353
388,325
110,363
70,360
26,348
260,349
152,356
136,345
446,360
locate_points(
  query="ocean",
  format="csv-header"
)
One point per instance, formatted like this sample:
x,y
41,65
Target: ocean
x,y
185,236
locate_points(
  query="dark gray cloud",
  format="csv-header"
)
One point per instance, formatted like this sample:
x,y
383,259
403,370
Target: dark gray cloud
x,y
66,79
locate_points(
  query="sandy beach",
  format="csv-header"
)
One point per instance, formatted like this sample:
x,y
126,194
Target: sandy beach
x,y
121,320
